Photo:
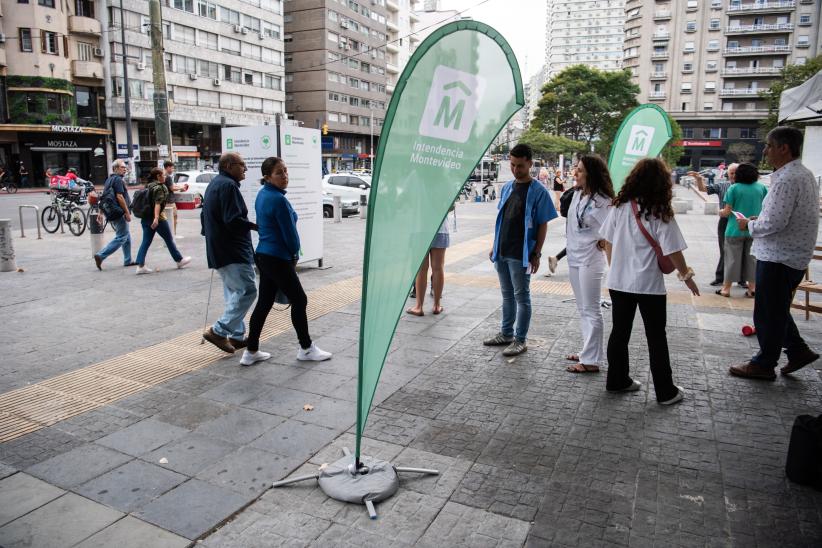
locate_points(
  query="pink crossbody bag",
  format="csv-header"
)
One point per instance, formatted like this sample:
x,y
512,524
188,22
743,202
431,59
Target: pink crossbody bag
x,y
666,265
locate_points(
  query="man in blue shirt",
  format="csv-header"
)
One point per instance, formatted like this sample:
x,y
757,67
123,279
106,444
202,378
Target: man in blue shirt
x,y
122,237
227,232
523,212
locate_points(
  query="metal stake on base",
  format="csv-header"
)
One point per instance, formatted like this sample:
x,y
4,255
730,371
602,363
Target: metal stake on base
x,y
369,481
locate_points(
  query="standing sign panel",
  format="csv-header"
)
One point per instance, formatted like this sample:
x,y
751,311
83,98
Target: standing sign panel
x,y
300,148
643,134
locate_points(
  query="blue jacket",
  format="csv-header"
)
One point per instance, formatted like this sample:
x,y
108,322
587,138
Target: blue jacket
x,y
539,209
277,222
225,223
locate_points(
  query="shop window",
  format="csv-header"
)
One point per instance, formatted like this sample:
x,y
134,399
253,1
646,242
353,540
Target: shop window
x,y
25,40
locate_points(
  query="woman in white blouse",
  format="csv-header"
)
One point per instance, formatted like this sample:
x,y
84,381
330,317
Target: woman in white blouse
x,y
586,257
635,279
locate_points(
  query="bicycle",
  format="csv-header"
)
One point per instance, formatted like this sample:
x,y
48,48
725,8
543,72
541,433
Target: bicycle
x,y
63,211
97,221
10,187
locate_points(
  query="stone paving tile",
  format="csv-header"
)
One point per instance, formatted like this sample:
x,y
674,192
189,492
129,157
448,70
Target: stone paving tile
x,y
295,439
451,439
65,521
249,471
336,414
239,426
79,465
131,532
93,425
6,470
237,391
451,471
21,493
424,403
193,508
193,412
131,486
317,382
150,402
142,437
463,526
281,401
372,448
393,427
195,383
501,491
189,454
36,447
260,530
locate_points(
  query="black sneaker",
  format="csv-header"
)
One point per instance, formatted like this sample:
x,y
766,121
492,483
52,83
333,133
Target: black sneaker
x,y
716,283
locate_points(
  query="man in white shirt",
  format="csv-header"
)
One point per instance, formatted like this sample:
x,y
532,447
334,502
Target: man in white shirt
x,y
784,236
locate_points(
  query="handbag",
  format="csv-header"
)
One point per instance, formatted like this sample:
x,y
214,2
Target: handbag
x,y
666,265
565,201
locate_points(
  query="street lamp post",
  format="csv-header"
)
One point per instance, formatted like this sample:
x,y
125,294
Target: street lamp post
x,y
371,155
127,97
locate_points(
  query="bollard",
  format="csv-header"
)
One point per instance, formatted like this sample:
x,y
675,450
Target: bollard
x,y
363,207
7,263
337,201
95,230
36,220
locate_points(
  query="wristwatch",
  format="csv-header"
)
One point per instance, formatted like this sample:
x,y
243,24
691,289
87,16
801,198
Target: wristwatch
x,y
536,255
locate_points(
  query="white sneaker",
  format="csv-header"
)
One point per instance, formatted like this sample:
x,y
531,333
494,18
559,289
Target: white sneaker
x,y
680,395
552,264
143,270
313,354
183,262
250,358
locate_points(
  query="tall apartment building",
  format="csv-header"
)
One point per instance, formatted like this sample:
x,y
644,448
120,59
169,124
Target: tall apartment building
x,y
336,63
401,39
224,66
52,112
584,32
706,62
533,94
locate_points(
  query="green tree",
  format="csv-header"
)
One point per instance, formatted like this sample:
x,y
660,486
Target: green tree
x,y
550,146
791,76
673,151
583,103
744,152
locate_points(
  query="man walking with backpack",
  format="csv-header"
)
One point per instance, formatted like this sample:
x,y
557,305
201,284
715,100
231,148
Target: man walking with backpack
x,y
115,202
227,232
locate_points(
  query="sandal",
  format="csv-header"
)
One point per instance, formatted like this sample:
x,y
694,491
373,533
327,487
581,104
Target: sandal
x,y
414,313
750,294
437,310
582,368
572,357
721,294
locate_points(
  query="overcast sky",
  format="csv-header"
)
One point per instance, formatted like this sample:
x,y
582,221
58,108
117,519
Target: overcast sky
x,y
524,28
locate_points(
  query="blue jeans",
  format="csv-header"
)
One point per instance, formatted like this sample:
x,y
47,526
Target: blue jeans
x,y
775,328
148,235
239,292
122,238
514,281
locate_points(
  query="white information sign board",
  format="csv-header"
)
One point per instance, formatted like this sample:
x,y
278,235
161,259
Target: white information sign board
x,y
300,149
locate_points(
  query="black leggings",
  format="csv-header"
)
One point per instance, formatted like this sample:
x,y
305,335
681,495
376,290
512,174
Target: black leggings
x,y
277,274
653,311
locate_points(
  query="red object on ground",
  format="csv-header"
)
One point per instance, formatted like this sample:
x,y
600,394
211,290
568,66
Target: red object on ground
x,y
182,201
748,330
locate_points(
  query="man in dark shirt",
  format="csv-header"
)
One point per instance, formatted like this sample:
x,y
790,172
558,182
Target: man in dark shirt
x,y
122,237
524,209
227,232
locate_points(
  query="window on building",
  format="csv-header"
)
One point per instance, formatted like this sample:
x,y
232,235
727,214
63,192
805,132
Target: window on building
x,y
715,133
229,16
688,132
184,34
207,9
685,87
232,74
778,63
710,86
86,100
714,24
689,47
333,117
685,105
207,98
333,37
710,66
270,30
687,67
713,45
253,104
805,19
270,106
25,40
230,45
692,5
801,41
207,39
800,60
84,8
733,44
85,51
49,43
781,41
707,106
690,26
272,82
252,24
185,5
46,3
251,51
208,69
229,101
748,133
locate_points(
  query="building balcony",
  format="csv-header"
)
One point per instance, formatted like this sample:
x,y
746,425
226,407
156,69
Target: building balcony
x,y
763,7
757,50
89,70
628,56
392,69
751,71
78,24
662,15
632,17
392,26
391,5
747,92
413,17
389,88
659,55
656,95
662,36
759,29
391,47
659,75
414,38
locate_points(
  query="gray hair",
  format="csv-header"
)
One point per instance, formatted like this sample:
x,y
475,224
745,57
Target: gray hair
x,y
117,163
784,135
227,159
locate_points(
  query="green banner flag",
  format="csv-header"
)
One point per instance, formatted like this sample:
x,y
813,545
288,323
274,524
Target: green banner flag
x,y
643,134
460,87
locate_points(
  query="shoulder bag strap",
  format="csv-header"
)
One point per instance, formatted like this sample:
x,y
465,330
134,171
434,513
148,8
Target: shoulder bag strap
x,y
644,231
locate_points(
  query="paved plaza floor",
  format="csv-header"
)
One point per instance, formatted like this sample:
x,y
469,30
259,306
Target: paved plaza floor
x,y
118,428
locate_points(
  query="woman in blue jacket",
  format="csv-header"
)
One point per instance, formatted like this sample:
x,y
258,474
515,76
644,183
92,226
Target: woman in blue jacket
x,y
276,256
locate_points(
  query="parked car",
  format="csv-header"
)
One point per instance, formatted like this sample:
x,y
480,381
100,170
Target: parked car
x,y
197,181
347,186
349,206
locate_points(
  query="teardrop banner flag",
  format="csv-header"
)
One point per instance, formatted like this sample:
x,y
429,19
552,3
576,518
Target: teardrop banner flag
x,y
642,134
460,87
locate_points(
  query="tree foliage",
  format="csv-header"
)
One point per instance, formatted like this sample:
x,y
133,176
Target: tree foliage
x,y
791,76
584,103
742,152
673,152
550,146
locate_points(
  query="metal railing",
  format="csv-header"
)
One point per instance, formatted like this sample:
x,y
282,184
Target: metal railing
x,y
36,219
751,71
759,49
762,5
756,28
742,92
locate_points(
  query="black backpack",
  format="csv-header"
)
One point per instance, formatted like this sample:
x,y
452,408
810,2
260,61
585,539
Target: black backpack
x,y
142,205
108,202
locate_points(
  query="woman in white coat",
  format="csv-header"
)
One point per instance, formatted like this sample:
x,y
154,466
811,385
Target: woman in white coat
x,y
586,256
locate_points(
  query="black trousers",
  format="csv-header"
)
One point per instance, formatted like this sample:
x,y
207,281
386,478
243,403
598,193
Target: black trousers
x,y
652,308
720,236
278,274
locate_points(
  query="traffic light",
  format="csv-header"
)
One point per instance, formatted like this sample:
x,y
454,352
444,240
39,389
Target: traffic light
x,y
325,129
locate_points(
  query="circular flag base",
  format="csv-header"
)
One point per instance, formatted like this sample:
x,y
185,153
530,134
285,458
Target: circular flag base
x,y
374,481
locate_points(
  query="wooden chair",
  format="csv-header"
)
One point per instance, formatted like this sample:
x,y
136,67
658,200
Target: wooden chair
x,y
809,286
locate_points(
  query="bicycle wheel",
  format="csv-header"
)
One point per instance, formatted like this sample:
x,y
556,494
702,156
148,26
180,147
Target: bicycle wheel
x,y
77,220
96,220
51,219
12,188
